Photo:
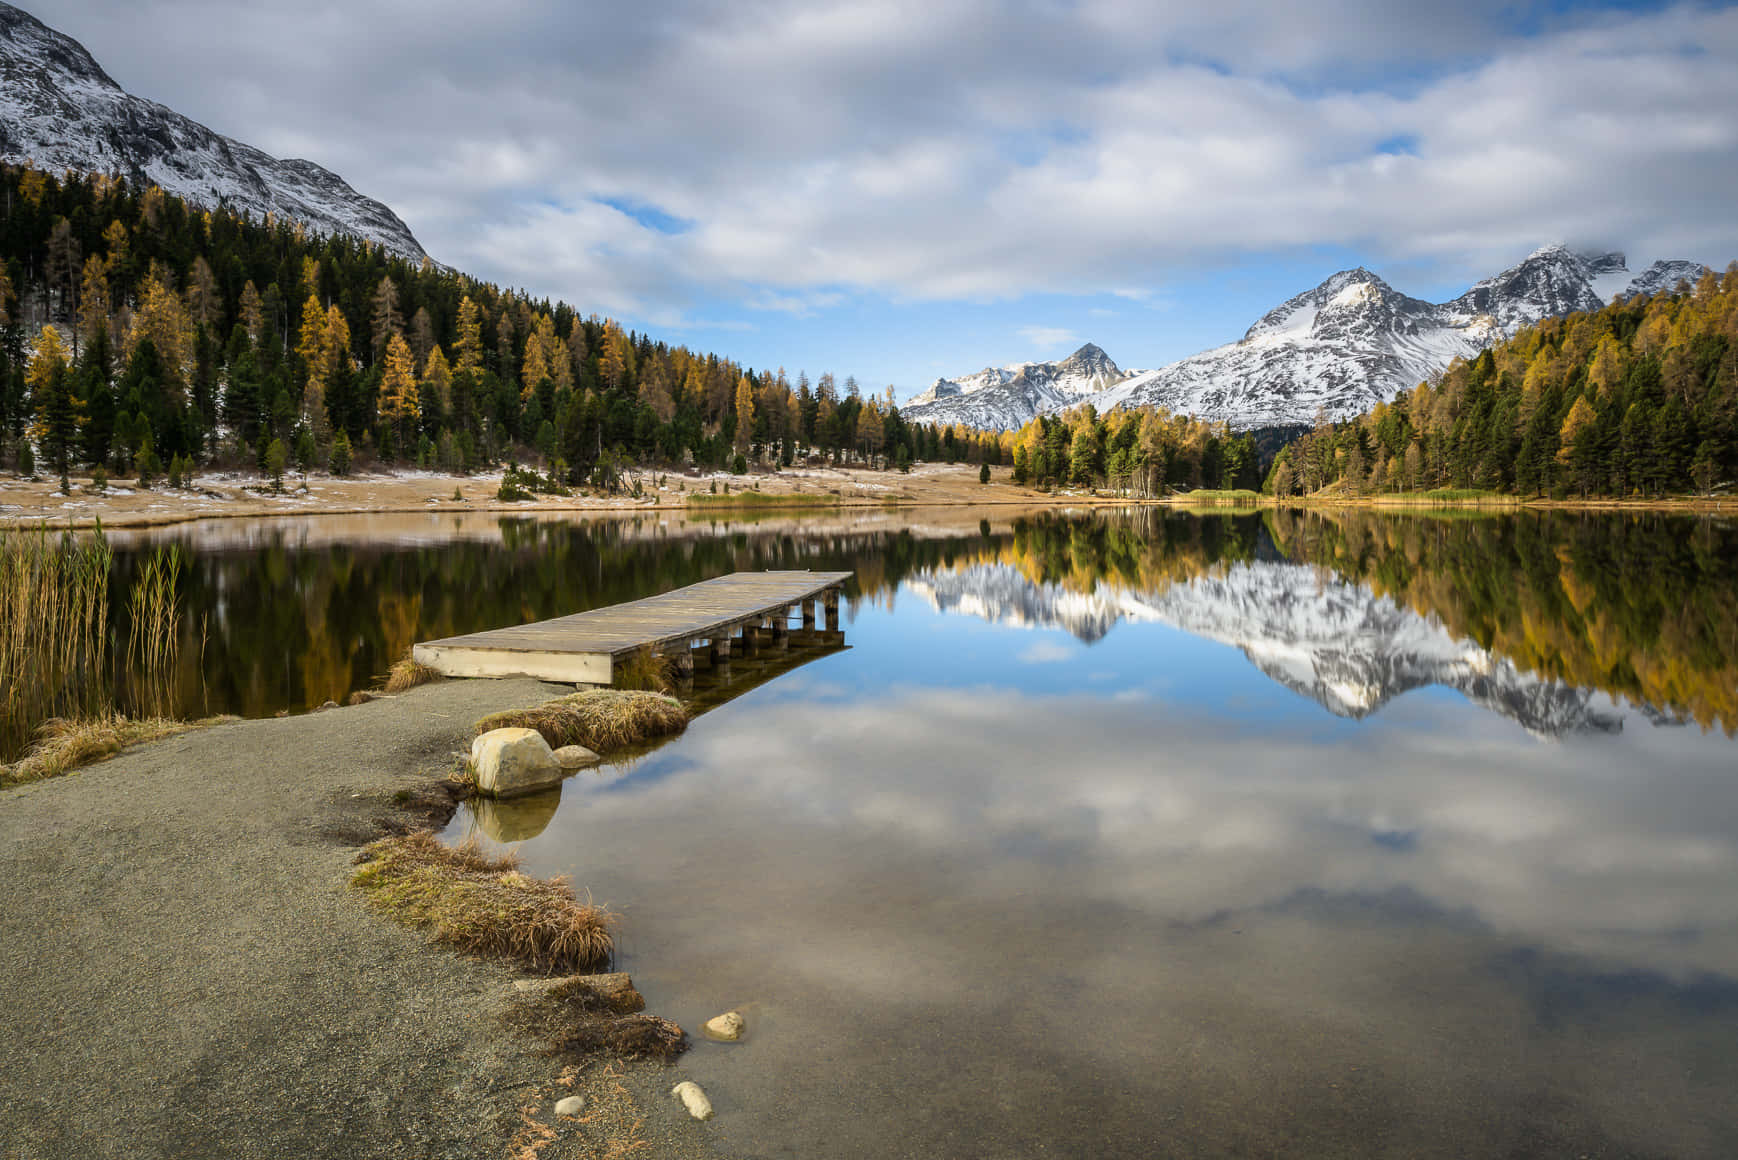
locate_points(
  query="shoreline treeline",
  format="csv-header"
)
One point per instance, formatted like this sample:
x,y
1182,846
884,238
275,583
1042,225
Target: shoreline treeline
x,y
141,333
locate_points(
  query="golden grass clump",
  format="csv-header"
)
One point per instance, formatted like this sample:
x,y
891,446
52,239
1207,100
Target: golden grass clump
x,y
408,673
599,719
64,744
483,905
646,671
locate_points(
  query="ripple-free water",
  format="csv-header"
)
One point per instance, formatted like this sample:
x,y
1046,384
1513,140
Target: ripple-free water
x,y
1147,835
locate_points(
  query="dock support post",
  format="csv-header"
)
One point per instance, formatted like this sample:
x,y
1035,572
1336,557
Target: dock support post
x,y
721,650
781,628
684,662
809,615
832,602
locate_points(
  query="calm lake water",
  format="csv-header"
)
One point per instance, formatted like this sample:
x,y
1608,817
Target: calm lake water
x,y
1129,834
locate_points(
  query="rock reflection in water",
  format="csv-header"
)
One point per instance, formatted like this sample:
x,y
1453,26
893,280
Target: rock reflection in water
x,y
516,819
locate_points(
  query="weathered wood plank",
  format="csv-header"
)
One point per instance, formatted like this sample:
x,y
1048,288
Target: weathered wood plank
x,y
589,642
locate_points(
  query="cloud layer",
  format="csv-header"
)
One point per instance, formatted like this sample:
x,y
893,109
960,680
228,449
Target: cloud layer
x,y
652,159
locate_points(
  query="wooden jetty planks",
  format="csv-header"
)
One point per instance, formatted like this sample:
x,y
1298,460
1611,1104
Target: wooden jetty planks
x,y
583,647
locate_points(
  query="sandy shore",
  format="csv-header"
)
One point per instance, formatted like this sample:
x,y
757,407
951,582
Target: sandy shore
x,y
186,973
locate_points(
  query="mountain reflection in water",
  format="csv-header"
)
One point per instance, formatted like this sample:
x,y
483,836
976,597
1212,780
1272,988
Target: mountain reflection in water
x,y
1332,641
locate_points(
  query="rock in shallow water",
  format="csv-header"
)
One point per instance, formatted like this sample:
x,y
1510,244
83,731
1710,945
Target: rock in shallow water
x,y
693,1099
726,1028
575,757
513,761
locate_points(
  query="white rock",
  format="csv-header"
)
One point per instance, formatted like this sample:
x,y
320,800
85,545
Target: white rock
x,y
513,761
575,757
727,1028
571,1106
693,1099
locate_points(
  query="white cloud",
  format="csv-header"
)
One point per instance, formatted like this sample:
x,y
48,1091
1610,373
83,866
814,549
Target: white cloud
x,y
1048,338
1047,652
964,149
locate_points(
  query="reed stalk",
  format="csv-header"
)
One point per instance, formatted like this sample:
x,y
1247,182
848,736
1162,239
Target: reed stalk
x,y
154,636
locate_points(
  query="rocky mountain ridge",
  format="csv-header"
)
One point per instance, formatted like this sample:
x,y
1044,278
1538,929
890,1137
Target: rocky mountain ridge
x,y
1335,349
1005,393
59,110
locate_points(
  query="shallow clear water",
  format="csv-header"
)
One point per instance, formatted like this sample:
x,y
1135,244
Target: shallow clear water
x,y
1144,834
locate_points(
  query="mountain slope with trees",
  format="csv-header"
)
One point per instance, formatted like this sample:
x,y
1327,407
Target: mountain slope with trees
x,y
1639,398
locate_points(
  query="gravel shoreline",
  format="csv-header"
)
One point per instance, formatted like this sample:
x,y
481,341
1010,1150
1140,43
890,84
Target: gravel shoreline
x,y
186,973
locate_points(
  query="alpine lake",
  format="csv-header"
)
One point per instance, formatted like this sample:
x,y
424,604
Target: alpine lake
x,y
1120,833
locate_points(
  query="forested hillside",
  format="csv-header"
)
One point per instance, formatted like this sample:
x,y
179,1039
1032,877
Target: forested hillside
x,y
1637,399
181,336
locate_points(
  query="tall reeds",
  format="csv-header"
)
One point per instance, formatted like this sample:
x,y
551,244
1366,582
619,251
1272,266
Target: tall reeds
x,y
154,633
54,607
56,662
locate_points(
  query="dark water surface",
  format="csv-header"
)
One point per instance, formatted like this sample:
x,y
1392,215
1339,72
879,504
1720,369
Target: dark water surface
x,y
1138,834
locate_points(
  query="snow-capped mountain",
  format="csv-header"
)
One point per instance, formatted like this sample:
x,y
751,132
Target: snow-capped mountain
x,y
999,397
1333,642
59,110
1664,275
1549,282
1338,349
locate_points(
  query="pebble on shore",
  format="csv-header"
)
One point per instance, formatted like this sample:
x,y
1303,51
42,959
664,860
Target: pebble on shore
x,y
693,1099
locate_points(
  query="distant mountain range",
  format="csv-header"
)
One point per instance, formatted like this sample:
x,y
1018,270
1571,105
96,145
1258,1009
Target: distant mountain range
x,y
1338,349
1336,643
59,110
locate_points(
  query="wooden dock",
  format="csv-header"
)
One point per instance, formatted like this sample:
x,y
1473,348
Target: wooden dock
x,y
584,648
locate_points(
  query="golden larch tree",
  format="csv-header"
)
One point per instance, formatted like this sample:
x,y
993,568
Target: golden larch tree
x,y
93,299
311,345
539,345
437,379
744,413
468,345
398,395
387,319
163,320
47,358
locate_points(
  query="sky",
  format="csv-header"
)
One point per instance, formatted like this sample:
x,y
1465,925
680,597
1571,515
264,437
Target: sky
x,y
910,188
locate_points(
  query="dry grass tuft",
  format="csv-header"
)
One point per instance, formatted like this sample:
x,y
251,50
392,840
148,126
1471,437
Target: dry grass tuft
x,y
646,671
483,905
65,744
582,1023
600,719
408,673
622,1037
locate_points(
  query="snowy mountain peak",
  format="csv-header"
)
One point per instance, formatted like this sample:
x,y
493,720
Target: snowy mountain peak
x,y
1551,281
1339,348
59,110
1089,362
1009,396
1663,276
1356,295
